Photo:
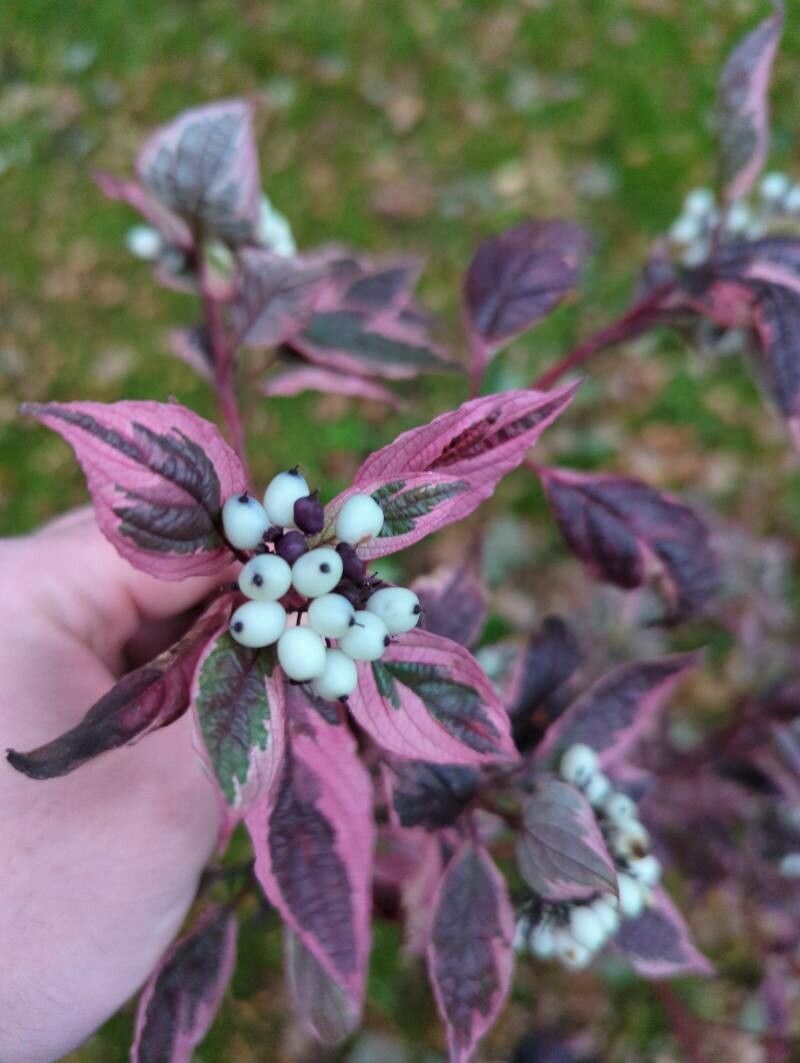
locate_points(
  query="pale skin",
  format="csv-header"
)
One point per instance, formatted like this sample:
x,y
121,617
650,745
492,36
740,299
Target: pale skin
x,y
97,868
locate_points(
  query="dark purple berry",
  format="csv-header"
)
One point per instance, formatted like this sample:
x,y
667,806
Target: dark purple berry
x,y
309,514
348,590
290,546
353,568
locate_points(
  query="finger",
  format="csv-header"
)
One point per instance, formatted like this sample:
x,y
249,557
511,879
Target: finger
x,y
89,590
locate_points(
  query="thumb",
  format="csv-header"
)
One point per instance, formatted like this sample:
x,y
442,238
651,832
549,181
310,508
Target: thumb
x,y
88,589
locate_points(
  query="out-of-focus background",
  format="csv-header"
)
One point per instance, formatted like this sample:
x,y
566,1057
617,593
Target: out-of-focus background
x,y
403,125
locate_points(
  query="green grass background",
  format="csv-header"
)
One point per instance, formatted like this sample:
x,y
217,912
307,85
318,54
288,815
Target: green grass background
x,y
387,125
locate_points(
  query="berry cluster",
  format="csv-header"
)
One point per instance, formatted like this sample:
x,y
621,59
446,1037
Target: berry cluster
x,y
325,585
777,203
574,932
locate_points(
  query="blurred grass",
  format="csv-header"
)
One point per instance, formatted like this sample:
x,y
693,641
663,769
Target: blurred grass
x,y
393,126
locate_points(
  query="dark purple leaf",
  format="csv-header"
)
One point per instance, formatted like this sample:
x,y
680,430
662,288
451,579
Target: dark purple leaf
x,y
240,720
274,299
453,604
742,109
776,314
470,961
619,708
561,853
143,701
658,944
383,288
203,167
181,998
319,1002
429,699
628,533
158,475
541,668
430,795
314,844
516,278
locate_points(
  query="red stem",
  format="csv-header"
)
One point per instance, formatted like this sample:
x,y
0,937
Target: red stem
x,y
222,352
636,320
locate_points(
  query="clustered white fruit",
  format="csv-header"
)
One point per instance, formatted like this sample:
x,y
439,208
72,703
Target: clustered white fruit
x,y
776,203
343,614
574,933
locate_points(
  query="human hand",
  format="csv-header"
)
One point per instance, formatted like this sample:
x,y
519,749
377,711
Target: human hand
x,y
97,868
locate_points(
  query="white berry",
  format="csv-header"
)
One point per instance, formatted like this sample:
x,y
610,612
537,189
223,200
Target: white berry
x,y
573,955
608,915
144,242
792,201
301,653
330,615
281,494
578,764
773,187
265,578
619,808
317,572
398,608
359,519
244,521
699,202
521,939
366,639
597,789
542,943
339,677
258,624
738,218
631,896
686,230
647,869
587,927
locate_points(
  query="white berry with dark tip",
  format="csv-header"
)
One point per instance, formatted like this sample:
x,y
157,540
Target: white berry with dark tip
x,y
265,578
597,789
244,521
359,519
631,896
339,676
301,653
257,624
607,913
317,572
578,764
647,869
573,955
281,494
542,942
330,615
398,608
367,637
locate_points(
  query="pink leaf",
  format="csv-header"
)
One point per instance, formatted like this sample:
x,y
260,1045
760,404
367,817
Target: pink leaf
x,y
453,604
428,699
742,108
274,299
561,853
327,382
470,961
418,888
627,532
203,166
173,230
191,346
658,944
619,708
441,472
239,715
182,996
319,1001
151,697
158,475
482,440
515,279
314,845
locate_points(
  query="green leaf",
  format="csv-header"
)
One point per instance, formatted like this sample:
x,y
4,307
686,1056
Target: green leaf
x,y
240,716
